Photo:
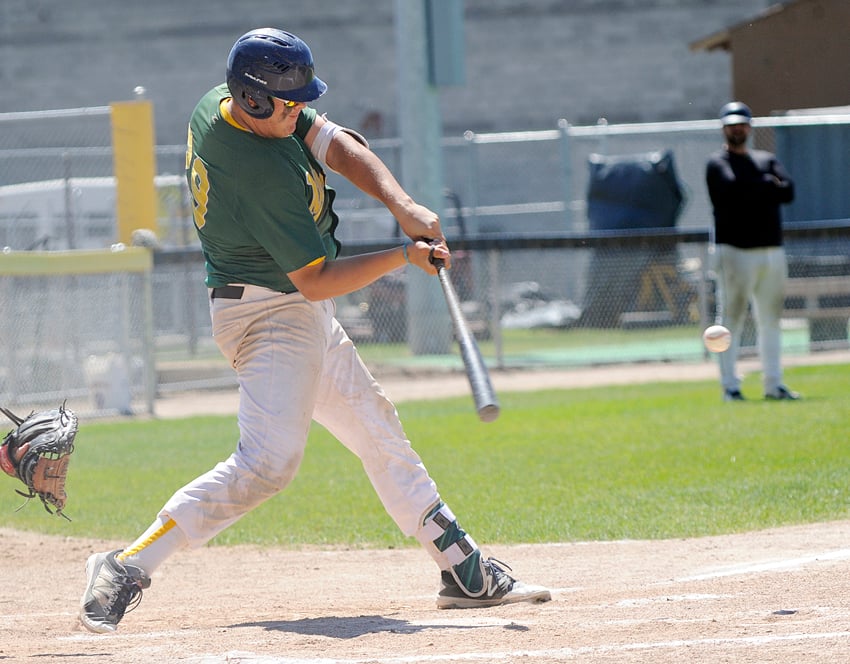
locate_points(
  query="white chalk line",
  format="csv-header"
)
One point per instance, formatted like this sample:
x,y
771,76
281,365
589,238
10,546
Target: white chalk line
x,y
771,566
690,597
513,655
28,617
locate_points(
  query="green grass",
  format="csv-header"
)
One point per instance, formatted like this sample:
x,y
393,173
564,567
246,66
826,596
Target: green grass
x,y
644,461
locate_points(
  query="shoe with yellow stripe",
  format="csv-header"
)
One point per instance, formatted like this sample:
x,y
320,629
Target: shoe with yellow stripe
x,y
113,589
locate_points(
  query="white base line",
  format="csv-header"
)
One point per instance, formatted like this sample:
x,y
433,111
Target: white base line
x,y
510,656
751,568
25,617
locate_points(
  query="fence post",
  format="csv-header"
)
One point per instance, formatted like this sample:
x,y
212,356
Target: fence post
x,y
148,339
134,158
472,180
703,291
70,231
421,171
602,124
567,171
494,290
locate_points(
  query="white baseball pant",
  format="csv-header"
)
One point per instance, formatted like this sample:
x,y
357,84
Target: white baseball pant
x,y
754,276
294,364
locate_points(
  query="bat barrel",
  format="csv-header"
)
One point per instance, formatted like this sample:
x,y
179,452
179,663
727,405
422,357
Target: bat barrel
x,y
476,371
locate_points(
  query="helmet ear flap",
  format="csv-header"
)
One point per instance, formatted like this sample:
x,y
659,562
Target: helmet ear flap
x,y
255,103
260,107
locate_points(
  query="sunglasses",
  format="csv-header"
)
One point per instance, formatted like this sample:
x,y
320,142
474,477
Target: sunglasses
x,y
289,104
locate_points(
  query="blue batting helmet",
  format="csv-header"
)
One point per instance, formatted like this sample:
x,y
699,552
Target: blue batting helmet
x,y
268,63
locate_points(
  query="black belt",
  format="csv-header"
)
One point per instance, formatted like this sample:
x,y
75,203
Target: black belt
x,y
227,292
233,292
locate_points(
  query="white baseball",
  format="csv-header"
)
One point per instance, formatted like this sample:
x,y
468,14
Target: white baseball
x,y
717,338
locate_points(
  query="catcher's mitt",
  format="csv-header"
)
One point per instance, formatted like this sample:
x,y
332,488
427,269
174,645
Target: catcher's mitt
x,y
38,451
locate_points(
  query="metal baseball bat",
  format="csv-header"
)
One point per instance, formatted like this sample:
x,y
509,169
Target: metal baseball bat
x,y
476,371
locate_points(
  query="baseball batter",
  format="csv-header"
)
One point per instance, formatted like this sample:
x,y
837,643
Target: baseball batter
x,y
255,164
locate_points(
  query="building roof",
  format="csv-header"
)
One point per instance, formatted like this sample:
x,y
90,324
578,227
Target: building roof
x,y
722,40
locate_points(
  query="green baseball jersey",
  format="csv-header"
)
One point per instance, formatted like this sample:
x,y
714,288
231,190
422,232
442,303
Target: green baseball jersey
x,y
262,207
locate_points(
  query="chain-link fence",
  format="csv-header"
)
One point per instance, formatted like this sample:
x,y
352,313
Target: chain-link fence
x,y
110,335
545,301
551,272
57,188
77,326
55,179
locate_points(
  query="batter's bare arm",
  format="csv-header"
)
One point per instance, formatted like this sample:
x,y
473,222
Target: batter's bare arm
x,y
327,279
352,158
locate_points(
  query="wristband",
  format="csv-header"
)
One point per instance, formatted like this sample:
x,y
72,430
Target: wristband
x,y
404,252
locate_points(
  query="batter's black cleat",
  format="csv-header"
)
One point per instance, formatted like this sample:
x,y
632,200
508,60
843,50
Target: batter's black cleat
x,y
113,589
733,395
499,588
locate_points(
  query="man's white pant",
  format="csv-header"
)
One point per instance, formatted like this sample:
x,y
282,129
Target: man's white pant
x,y
755,276
296,364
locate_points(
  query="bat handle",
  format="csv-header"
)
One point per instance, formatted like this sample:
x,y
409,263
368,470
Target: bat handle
x,y
438,263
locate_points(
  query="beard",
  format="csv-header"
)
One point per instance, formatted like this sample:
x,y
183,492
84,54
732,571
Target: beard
x,y
735,139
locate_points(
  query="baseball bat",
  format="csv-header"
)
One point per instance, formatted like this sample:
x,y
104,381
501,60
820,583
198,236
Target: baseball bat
x,y
476,371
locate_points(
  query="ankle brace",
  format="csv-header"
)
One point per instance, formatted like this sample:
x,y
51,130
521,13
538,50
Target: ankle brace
x,y
452,548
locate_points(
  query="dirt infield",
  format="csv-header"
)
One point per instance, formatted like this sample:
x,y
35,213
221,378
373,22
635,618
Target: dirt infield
x,y
775,596
779,595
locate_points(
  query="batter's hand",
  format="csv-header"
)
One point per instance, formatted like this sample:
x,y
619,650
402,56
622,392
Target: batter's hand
x,y
422,254
418,222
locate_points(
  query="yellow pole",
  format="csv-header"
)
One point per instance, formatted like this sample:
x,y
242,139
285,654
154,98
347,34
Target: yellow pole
x,y
134,163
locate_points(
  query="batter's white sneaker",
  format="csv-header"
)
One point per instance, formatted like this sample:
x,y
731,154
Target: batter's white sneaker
x,y
782,393
113,589
500,588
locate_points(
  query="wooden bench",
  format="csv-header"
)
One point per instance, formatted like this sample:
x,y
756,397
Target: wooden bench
x,y
809,298
803,297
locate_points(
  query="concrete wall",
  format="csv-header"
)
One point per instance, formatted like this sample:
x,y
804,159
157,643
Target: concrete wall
x,y
528,63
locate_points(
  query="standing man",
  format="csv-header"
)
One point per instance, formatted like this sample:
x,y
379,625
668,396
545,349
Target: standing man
x,y
746,189
255,165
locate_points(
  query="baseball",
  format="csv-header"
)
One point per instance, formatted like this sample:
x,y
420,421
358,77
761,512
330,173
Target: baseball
x,y
716,338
